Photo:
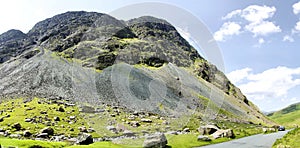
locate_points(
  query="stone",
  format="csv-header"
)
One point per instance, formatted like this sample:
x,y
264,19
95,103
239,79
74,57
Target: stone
x,y
186,130
158,140
203,138
58,138
91,130
42,135
84,139
28,120
131,117
146,120
82,129
128,133
229,133
172,132
135,123
61,109
1,119
43,112
207,129
112,129
27,133
56,119
48,130
17,126
223,133
136,113
15,136
72,117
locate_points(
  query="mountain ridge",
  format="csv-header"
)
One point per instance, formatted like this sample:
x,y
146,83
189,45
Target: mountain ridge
x,y
77,45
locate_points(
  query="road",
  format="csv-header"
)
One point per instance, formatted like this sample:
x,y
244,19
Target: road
x,y
256,141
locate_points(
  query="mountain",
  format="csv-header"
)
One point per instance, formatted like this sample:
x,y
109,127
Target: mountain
x,y
288,116
143,65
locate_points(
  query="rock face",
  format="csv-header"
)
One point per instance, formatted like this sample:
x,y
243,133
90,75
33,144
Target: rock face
x,y
155,141
42,62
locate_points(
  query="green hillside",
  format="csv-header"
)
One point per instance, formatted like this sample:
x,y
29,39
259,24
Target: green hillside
x,y
289,116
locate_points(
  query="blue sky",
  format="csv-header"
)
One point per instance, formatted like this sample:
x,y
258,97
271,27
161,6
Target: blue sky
x,y
258,38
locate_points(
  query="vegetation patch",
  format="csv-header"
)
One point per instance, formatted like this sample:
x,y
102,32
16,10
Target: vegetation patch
x,y
290,140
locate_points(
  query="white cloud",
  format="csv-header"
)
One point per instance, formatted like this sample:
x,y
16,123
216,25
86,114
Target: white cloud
x,y
288,38
232,14
296,8
261,41
297,27
275,82
227,29
257,14
238,75
262,28
256,21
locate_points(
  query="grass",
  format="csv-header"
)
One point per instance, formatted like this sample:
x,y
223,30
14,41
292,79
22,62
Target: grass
x,y
289,119
290,140
19,111
5,142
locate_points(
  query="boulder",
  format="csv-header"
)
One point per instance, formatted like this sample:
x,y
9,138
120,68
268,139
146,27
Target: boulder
x,y
27,133
112,129
186,130
82,129
203,138
207,129
15,136
223,133
56,119
158,140
48,130
84,139
91,130
72,117
28,120
172,132
135,123
1,119
42,135
128,133
17,126
61,109
146,120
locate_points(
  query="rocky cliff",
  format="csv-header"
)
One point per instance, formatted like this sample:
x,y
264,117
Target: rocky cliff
x,y
142,64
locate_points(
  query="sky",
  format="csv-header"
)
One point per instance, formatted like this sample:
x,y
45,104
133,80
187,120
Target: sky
x,y
258,39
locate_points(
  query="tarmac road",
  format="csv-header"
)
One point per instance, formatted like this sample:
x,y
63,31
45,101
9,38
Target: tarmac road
x,y
255,141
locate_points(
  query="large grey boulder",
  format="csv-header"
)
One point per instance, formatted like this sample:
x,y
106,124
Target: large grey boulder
x,y
207,129
157,140
47,130
84,139
223,133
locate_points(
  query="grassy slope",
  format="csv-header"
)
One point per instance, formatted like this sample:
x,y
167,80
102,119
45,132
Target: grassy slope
x,y
16,108
289,116
290,140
